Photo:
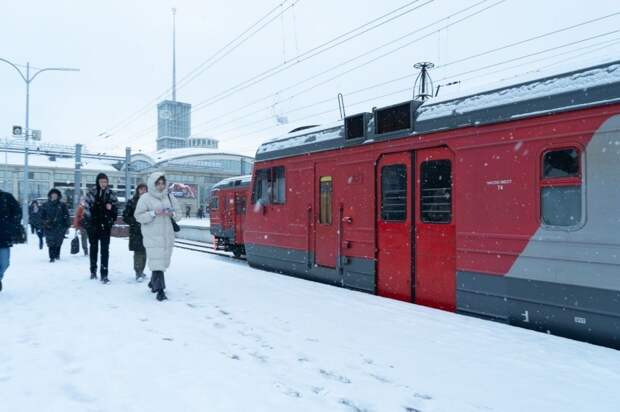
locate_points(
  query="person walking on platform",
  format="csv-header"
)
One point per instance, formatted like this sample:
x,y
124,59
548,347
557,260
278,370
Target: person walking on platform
x,y
10,218
78,224
136,244
36,223
158,213
56,221
100,213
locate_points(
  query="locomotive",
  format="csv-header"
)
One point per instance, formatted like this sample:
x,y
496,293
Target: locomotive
x,y
227,211
502,205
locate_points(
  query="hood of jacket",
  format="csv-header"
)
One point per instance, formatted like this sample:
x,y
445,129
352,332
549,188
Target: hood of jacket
x,y
154,177
49,194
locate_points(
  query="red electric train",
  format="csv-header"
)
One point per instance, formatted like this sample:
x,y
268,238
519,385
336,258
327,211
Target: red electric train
x,y
227,212
503,205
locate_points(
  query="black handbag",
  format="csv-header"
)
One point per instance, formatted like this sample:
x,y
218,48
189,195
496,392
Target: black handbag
x,y
175,225
19,234
75,245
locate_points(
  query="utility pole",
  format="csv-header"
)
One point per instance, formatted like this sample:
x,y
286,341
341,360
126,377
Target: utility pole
x,y
77,186
127,174
28,79
174,54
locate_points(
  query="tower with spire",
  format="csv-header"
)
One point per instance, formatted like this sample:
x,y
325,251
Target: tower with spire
x,y
173,117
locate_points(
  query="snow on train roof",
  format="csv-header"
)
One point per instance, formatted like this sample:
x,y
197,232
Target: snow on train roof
x,y
548,86
303,137
243,181
586,87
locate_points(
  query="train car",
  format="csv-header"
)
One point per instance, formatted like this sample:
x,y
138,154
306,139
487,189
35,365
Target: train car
x,y
227,211
503,205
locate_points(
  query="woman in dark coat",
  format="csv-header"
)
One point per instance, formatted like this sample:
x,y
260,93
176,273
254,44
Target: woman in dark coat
x,y
56,222
135,233
35,221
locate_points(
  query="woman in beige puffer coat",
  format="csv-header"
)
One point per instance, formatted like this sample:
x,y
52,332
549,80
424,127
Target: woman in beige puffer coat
x,y
155,211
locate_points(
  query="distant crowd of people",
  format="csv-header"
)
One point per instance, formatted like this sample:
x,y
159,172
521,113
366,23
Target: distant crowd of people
x,y
151,215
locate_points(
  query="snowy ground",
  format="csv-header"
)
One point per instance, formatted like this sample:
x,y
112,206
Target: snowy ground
x,y
235,339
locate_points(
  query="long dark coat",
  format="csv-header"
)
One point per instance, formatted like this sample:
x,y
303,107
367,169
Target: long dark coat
x,y
35,218
56,221
135,233
10,217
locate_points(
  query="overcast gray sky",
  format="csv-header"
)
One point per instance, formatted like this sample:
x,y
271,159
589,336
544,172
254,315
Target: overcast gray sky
x,y
123,49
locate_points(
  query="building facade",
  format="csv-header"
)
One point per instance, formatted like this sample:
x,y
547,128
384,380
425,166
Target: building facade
x,y
191,172
174,124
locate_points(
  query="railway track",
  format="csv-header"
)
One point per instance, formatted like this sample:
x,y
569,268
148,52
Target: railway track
x,y
202,247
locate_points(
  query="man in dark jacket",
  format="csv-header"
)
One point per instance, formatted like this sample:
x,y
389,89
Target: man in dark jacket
x,y
135,233
10,217
100,213
56,222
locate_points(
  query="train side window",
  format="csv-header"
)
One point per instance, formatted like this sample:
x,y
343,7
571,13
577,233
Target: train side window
x,y
279,185
214,203
436,191
394,193
560,188
561,163
240,203
325,204
262,186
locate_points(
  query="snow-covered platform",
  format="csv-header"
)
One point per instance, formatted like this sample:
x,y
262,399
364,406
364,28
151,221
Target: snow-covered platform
x,y
232,338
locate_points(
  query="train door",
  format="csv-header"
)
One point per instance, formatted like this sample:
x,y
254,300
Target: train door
x,y
240,205
394,226
326,234
435,230
229,210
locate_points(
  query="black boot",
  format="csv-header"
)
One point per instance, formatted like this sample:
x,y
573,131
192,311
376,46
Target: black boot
x,y
150,284
93,276
161,295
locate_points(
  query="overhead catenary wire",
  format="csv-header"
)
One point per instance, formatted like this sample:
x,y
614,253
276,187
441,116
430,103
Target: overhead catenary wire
x,y
477,55
222,52
329,45
220,97
409,77
366,53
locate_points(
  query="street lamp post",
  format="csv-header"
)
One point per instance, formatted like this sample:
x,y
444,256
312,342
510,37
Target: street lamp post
x,y
28,79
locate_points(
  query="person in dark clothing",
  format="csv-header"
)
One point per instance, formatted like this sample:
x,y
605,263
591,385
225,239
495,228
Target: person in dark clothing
x,y
10,218
188,211
56,222
35,221
100,213
135,233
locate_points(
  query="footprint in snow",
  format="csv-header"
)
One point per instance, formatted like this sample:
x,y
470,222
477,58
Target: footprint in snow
x,y
334,376
259,357
352,406
73,393
380,378
422,396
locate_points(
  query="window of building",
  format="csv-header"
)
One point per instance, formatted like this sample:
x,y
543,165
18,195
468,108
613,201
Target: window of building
x,y
436,191
394,193
325,201
279,185
560,188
